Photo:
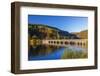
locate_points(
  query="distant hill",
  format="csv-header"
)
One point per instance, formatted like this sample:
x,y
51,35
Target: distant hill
x,y
41,31
83,34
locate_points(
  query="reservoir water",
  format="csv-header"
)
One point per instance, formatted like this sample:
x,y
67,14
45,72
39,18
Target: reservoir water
x,y
51,52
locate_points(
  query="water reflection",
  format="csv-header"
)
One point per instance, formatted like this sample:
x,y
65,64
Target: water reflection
x,y
42,50
52,52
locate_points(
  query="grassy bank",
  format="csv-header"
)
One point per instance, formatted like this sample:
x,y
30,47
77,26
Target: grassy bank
x,y
70,54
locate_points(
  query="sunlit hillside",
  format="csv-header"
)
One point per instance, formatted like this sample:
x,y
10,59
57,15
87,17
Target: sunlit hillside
x,y
82,34
41,31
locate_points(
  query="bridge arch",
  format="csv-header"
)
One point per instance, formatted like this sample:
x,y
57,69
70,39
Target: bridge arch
x,y
79,42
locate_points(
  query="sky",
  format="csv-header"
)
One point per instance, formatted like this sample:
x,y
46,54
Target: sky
x,y
66,23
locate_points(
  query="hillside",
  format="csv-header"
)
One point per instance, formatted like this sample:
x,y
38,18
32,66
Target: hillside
x,y
83,34
41,31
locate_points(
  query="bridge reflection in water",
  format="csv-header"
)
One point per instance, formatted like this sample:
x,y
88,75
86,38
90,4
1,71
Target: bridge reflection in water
x,y
58,49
